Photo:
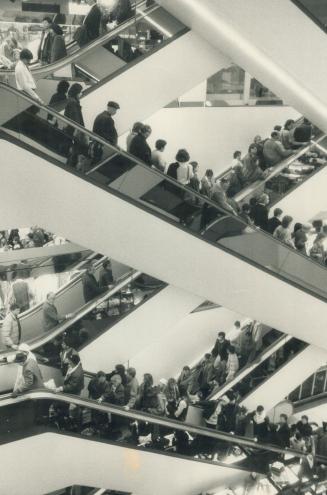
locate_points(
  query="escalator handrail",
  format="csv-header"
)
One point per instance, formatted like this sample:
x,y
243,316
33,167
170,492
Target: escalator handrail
x,y
7,400
59,64
176,184
64,288
215,395
59,329
309,14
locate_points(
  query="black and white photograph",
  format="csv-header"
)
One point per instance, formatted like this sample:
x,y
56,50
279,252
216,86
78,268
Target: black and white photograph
x,y
163,247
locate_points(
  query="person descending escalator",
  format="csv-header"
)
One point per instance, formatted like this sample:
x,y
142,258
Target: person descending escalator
x,y
45,46
104,125
139,146
91,287
58,47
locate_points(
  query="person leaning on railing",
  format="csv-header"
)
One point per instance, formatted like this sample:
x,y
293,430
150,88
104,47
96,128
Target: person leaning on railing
x,y
24,79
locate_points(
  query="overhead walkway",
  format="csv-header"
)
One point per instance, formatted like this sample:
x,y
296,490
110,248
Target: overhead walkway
x,y
169,219
295,73
152,43
197,459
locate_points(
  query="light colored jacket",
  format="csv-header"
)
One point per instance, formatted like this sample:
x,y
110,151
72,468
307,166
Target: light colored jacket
x,y
31,376
10,331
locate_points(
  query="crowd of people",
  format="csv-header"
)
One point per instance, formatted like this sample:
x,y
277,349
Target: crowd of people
x,y
27,238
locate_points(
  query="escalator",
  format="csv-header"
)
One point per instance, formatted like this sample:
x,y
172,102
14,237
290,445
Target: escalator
x,y
171,219
152,42
295,73
136,443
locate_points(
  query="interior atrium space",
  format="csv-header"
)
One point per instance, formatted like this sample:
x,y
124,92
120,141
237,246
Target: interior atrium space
x,y
163,247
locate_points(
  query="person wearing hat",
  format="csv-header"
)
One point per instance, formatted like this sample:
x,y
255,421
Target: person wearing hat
x,y
104,124
29,376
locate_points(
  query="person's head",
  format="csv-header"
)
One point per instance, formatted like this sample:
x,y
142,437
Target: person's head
x,y
246,208
116,380
160,144
131,373
304,419
207,356
283,418
297,226
75,91
253,150
277,128
306,227
237,324
145,131
20,358
278,212
260,409
286,221
90,268
231,350
63,87
221,336
182,156
120,369
112,107
209,173
51,297
171,383
186,370
136,127
74,359
106,265
264,199
224,182
46,23
14,309
275,135
101,376
306,121
148,379
257,139
237,155
55,29
26,56
289,124
195,167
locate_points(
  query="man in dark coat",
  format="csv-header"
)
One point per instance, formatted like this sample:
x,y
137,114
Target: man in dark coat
x,y
92,21
91,287
139,147
45,46
51,317
104,124
220,347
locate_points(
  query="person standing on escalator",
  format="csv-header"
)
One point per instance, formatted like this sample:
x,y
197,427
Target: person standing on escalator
x,y
24,79
92,21
44,50
104,124
139,146
91,287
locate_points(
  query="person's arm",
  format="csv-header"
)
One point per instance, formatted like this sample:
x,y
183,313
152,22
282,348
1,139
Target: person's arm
x,y
282,151
181,406
27,383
